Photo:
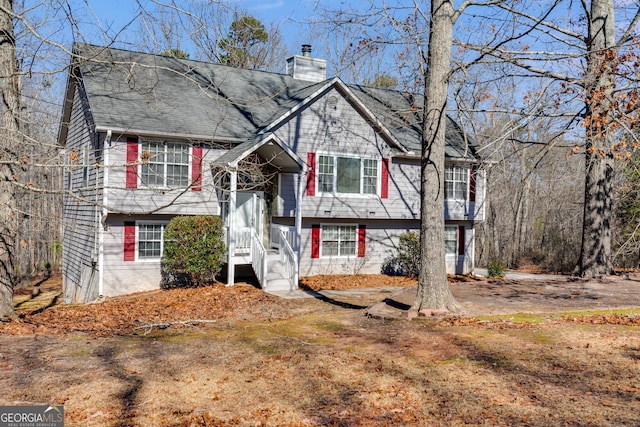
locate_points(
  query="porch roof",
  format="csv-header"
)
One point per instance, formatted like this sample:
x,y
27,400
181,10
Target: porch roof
x,y
268,146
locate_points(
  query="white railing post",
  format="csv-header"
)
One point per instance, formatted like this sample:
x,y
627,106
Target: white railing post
x,y
258,259
288,259
231,223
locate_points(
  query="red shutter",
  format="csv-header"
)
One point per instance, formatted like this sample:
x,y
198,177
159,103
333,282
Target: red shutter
x,y
315,241
362,240
311,174
129,241
196,168
384,182
461,240
472,183
132,163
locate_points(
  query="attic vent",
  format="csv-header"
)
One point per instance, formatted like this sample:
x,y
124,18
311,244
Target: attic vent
x,y
332,101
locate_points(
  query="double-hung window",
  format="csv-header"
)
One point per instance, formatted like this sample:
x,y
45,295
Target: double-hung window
x,y
339,240
150,240
455,182
347,175
450,240
165,164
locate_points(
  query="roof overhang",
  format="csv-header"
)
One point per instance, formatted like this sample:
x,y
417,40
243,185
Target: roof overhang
x,y
417,156
67,104
270,148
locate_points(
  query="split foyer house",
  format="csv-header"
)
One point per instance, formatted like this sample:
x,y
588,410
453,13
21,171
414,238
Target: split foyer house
x,y
310,175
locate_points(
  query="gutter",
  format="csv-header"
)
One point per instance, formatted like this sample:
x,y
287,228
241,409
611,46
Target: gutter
x,y
415,156
153,134
103,220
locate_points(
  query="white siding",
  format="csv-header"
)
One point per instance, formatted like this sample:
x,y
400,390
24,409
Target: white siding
x,y
381,244
337,128
162,201
81,210
125,277
382,238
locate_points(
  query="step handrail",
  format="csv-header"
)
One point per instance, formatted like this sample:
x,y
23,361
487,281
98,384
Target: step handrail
x,y
259,259
289,259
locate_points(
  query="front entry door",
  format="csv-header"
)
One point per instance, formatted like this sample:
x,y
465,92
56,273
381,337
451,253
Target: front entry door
x,y
249,211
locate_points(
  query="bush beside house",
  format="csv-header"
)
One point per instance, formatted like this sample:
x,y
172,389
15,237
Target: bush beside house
x,y
194,250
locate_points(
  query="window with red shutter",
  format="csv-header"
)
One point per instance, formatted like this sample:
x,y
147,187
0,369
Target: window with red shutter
x,y
473,171
384,179
196,168
129,241
461,240
132,163
362,240
311,174
315,241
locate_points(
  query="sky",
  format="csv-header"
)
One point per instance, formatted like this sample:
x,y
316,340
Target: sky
x,y
114,14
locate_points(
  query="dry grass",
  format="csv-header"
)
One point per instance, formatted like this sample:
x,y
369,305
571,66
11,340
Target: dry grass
x,y
312,363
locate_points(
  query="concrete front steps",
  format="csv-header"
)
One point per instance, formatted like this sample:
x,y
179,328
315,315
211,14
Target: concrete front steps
x,y
277,279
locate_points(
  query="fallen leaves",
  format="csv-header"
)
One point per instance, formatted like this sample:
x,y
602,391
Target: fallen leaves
x,y
605,319
132,313
340,282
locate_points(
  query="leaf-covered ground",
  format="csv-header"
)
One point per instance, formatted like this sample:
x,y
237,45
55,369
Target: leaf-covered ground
x,y
260,360
136,312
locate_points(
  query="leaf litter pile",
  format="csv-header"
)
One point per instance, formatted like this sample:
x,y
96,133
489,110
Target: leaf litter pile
x,y
133,313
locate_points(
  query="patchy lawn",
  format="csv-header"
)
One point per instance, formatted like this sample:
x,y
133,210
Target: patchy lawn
x,y
260,360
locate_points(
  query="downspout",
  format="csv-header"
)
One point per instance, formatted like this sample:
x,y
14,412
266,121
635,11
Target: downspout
x,y
233,186
103,220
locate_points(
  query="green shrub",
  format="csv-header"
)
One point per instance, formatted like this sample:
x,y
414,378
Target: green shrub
x,y
194,250
495,269
409,253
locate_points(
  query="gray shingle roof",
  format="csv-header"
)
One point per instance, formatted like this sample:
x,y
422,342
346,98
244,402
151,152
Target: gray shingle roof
x,y
162,95
400,113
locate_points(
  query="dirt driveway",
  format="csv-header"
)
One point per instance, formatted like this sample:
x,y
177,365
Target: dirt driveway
x,y
511,296
506,296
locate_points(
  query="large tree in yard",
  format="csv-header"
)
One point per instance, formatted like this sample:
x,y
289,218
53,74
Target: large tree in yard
x,y
9,144
433,289
600,119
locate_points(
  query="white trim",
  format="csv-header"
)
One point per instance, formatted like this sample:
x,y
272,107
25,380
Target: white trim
x,y
142,185
455,252
137,248
252,148
106,145
354,255
466,181
360,194
151,134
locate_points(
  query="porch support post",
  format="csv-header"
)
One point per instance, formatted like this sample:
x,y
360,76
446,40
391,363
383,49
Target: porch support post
x,y
300,194
231,231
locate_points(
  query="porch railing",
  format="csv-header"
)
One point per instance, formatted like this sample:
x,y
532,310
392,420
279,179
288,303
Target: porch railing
x,y
258,258
288,257
243,241
275,235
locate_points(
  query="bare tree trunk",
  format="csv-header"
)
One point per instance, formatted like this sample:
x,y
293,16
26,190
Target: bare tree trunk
x,y
8,146
595,253
433,289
